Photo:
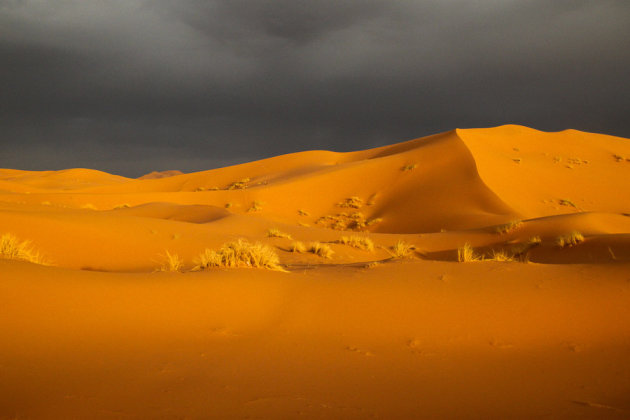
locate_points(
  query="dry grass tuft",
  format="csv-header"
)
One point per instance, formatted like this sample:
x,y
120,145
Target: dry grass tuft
x,y
466,253
410,167
565,202
298,246
343,221
501,255
534,240
228,205
352,202
508,227
239,185
171,262
240,253
303,212
323,250
401,249
276,233
570,239
304,224
359,242
122,206
256,206
372,264
11,248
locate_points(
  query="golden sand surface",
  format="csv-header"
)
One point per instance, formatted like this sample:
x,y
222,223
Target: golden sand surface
x,y
477,273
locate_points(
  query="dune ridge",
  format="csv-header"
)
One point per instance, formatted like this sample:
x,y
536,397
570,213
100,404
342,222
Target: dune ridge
x,y
362,310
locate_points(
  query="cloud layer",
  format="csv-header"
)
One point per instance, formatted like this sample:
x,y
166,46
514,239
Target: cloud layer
x,y
129,86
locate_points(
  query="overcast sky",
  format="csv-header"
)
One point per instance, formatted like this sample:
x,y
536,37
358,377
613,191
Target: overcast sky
x,y
130,86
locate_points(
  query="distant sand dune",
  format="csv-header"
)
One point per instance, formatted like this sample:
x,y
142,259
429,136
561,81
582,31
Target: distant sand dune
x,y
372,316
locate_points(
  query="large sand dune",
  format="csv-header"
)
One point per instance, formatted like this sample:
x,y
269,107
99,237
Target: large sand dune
x,y
97,332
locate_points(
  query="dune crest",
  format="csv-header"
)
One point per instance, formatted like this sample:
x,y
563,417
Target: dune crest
x,y
476,273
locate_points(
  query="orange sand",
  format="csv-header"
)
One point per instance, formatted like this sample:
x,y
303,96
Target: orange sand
x,y
100,334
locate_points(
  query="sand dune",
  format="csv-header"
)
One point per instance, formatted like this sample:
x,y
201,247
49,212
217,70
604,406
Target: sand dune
x,y
343,333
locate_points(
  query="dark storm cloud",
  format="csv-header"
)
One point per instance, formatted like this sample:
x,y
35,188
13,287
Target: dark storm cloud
x,y
130,86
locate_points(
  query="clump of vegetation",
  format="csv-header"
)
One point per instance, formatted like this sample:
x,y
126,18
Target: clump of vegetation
x,y
372,264
466,253
359,242
122,206
323,250
171,262
11,248
534,240
619,158
228,205
256,206
239,185
352,202
276,233
501,255
409,167
508,227
304,224
303,212
344,221
298,246
565,202
402,249
570,239
240,253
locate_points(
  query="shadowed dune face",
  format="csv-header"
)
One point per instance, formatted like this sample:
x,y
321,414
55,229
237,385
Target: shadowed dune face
x,y
326,285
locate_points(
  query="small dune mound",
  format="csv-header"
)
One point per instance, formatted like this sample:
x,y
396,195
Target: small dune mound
x,y
240,253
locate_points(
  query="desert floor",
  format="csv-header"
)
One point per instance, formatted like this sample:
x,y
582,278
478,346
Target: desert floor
x,y
96,323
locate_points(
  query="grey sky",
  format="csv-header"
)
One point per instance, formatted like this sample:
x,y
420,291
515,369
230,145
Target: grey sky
x,y
129,86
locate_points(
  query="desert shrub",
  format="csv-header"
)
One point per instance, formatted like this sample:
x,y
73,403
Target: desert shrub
x,y
240,253
239,185
410,167
322,250
298,246
343,221
275,233
11,248
256,206
508,227
352,202
500,255
303,212
466,253
122,206
401,249
359,242
534,240
228,205
565,202
570,239
171,262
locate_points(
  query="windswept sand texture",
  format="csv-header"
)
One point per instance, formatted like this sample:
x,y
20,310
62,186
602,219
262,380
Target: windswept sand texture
x,y
348,333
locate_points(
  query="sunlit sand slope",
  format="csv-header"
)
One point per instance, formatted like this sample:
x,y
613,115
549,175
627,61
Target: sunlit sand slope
x,y
477,273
